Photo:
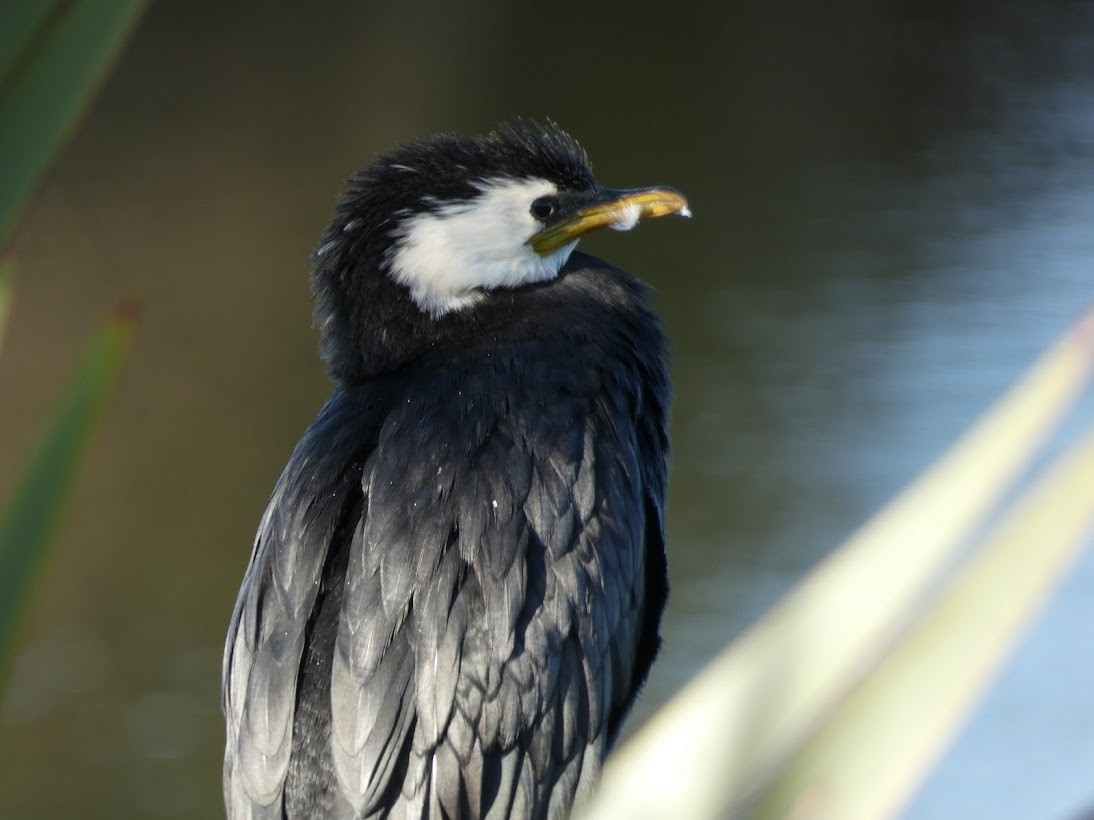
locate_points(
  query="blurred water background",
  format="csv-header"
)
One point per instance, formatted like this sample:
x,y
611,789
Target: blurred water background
x,y
894,213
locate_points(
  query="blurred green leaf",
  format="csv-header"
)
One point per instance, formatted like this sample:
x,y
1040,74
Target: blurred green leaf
x,y
55,62
33,513
53,57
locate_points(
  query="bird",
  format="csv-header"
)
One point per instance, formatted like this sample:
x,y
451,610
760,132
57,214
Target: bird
x,y
456,589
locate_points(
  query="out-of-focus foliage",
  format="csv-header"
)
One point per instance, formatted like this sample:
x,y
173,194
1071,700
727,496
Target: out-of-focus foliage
x,y
33,512
53,57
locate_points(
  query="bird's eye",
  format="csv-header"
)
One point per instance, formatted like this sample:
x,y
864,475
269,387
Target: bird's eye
x,y
544,207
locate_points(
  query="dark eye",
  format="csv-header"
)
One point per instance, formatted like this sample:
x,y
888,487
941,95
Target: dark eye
x,y
544,207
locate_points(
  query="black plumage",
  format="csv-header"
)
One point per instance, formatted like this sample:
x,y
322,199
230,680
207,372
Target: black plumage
x,y
456,589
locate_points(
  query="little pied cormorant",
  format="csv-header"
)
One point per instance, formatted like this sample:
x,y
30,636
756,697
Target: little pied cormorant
x,y
456,590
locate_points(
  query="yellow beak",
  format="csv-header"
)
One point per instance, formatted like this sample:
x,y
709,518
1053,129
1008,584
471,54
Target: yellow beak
x,y
612,209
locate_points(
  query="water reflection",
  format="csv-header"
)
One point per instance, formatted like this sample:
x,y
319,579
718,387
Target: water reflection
x,y
892,217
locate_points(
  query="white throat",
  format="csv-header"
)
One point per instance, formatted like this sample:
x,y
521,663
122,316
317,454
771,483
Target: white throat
x,y
448,257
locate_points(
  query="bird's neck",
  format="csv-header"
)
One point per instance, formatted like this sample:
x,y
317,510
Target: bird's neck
x,y
379,330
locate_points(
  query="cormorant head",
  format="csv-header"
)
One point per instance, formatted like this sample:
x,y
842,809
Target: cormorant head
x,y
439,226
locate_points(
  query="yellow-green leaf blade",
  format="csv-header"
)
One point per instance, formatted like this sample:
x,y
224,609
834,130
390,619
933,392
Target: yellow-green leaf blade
x,y
877,747
34,510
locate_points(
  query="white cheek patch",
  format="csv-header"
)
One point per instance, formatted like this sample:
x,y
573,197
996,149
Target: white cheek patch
x,y
626,217
448,257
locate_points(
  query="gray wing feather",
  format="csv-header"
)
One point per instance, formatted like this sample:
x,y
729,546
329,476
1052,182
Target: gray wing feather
x,y
263,657
372,722
268,627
